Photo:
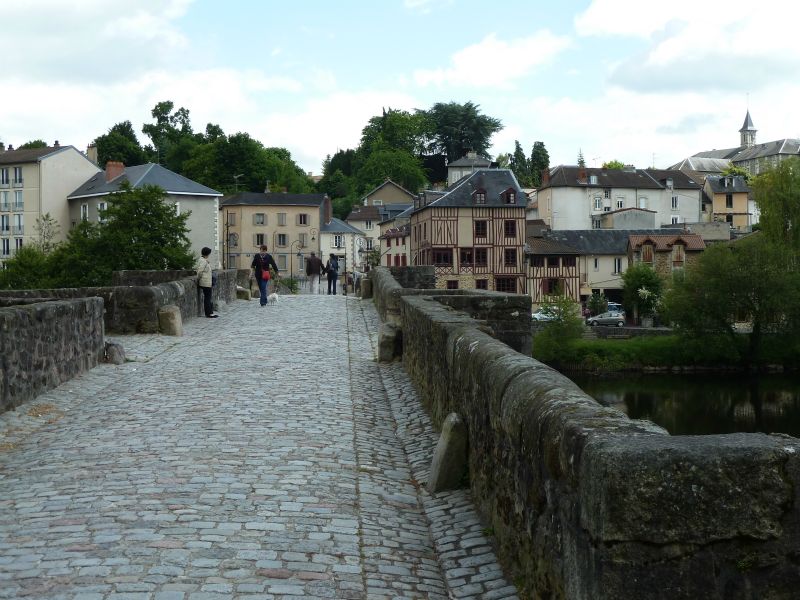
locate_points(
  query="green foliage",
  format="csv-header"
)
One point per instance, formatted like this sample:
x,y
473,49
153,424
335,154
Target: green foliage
x,y
398,165
520,165
581,160
597,303
29,268
454,129
120,144
47,229
777,194
503,160
540,161
33,144
395,129
737,171
555,343
641,289
614,165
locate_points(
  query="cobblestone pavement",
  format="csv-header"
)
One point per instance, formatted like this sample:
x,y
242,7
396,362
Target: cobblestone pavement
x,y
264,454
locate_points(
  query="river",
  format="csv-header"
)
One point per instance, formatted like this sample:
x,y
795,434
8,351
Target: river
x,y
703,404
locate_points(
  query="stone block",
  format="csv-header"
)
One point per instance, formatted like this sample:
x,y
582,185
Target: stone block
x,y
114,353
169,320
243,293
450,457
366,288
389,342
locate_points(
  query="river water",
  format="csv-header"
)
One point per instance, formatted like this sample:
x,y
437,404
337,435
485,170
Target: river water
x,y
703,404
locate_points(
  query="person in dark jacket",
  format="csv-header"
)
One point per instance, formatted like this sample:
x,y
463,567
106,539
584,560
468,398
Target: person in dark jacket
x,y
332,269
314,269
261,265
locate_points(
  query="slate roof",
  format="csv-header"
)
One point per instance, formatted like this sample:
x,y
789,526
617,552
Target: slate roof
x,y
471,161
339,226
395,232
665,242
273,199
492,181
739,185
789,146
599,241
141,175
700,164
379,213
547,246
387,182
569,176
10,157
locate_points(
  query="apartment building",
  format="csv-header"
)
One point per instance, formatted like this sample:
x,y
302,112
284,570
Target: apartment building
x,y
35,182
727,199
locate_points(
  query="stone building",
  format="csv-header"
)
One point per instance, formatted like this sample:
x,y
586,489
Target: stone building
x,y
665,253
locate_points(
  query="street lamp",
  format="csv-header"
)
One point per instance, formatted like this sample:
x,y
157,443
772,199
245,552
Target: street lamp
x,y
291,258
236,179
314,234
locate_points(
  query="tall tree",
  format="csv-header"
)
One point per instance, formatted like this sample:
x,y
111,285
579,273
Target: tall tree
x,y
397,130
398,165
120,144
540,160
171,135
47,229
581,160
454,129
777,194
520,166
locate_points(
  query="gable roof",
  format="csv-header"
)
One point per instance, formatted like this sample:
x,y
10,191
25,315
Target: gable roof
x,y
29,155
140,176
339,226
272,199
699,164
737,184
494,182
599,241
377,213
390,182
471,161
572,176
662,243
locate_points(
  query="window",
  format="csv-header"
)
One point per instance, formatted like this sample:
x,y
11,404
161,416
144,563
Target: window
x,y
281,260
481,284
6,246
177,208
511,198
18,203
84,212
259,219
729,219
506,284
598,203
553,262
481,229
233,240
367,224
424,231
338,241
396,241
510,228
302,219
4,176
620,202
568,261
617,266
675,219
259,239
377,203
510,257
303,238
596,264
281,219
19,225
465,257
370,244
231,218
678,256
443,257
728,200
537,261
388,260
481,257
607,193
606,209
647,253
593,179
674,203
232,261
642,202
4,201
18,243
101,208
17,174
480,197
4,225
452,284
281,239
551,286
595,223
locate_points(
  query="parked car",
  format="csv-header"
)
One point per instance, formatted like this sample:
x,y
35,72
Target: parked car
x,y
539,315
614,307
607,318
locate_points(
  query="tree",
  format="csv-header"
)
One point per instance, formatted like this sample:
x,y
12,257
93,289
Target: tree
x,y
33,144
172,131
746,280
614,165
120,144
641,289
737,171
28,269
598,303
395,129
581,160
397,165
555,343
540,161
47,229
520,166
777,194
453,129
503,160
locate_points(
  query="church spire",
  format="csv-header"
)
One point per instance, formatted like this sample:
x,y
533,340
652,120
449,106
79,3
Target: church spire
x,y
747,134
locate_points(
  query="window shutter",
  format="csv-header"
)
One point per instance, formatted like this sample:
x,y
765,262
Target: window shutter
x,y
254,219
255,240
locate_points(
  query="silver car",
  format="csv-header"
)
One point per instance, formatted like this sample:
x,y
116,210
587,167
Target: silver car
x,y
607,318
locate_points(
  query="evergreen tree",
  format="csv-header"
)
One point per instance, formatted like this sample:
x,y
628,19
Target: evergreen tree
x,y
581,160
520,166
540,160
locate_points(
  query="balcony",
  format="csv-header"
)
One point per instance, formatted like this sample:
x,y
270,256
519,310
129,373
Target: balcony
x,y
5,207
18,229
17,183
4,185
18,207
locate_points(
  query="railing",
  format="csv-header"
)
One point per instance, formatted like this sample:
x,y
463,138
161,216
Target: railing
x,y
18,229
5,207
18,183
18,206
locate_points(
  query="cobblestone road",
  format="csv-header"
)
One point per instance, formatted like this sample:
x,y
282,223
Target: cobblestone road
x,y
264,454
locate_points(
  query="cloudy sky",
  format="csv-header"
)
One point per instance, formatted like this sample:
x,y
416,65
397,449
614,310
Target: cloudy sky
x,y
641,81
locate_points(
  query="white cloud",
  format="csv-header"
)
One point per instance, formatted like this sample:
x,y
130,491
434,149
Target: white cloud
x,y
425,6
495,62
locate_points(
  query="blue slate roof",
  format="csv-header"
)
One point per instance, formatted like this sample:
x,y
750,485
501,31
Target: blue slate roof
x,y
494,182
339,226
142,175
273,199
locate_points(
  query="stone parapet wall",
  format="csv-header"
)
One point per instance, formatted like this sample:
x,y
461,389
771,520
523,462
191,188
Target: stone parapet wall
x,y
134,309
42,345
586,503
149,277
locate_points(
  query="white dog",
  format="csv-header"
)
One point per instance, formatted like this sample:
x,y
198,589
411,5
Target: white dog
x,y
272,298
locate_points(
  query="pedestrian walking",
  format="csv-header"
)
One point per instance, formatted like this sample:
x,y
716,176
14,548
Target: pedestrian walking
x,y
332,269
205,281
261,268
314,268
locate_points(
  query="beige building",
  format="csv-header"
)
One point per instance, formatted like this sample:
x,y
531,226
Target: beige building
x,y
727,199
388,193
288,224
35,182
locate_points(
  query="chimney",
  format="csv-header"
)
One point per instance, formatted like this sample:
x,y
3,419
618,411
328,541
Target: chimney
x,y
56,145
2,147
545,177
91,152
10,147
581,174
114,169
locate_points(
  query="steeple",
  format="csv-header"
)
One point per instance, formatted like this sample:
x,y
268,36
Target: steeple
x,y
747,134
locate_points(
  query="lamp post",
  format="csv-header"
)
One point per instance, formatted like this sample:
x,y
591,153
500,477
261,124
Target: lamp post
x,y
291,258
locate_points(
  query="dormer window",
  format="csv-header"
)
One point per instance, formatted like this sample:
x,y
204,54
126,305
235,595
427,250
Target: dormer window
x,y
480,196
509,196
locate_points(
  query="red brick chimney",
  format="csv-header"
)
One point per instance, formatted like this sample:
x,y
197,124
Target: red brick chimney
x,y
545,177
581,174
114,169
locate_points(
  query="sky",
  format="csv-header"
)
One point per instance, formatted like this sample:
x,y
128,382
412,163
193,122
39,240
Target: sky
x,y
645,82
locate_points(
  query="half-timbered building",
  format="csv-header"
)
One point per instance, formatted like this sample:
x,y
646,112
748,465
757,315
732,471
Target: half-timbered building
x,y
473,232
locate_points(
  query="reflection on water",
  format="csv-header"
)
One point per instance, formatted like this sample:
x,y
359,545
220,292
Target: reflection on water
x,y
703,404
